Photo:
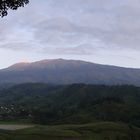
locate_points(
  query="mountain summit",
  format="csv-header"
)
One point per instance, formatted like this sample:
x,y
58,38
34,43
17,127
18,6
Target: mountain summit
x,y
60,71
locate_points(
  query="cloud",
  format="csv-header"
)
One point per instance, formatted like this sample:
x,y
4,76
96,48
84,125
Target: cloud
x,y
73,26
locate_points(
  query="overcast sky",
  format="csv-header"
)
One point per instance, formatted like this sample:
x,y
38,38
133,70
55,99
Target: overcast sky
x,y
100,31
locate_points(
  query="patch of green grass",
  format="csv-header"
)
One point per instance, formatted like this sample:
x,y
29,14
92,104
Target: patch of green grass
x,y
93,131
15,122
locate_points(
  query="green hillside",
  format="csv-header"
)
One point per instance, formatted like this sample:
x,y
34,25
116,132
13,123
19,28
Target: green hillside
x,y
71,112
77,103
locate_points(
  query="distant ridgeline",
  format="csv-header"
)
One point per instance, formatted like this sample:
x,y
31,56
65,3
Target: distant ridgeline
x,y
76,103
60,71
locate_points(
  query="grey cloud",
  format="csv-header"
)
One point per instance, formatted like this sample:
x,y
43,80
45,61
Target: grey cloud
x,y
19,46
86,49
67,26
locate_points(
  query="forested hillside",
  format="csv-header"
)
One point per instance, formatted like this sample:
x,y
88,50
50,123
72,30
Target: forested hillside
x,y
76,103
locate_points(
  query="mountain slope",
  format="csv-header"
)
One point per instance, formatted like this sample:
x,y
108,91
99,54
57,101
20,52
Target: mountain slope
x,y
60,71
76,103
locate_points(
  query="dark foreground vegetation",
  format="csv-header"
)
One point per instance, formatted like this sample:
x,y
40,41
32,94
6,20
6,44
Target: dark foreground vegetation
x,y
5,5
103,112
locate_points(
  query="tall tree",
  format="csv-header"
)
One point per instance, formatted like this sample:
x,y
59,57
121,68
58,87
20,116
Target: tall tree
x,y
5,5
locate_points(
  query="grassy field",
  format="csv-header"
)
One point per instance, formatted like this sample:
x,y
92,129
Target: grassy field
x,y
95,131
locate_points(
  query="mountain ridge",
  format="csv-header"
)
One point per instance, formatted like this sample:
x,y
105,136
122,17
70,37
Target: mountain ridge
x,y
60,59
62,71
